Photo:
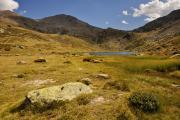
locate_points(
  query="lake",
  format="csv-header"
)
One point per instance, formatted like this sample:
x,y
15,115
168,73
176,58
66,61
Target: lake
x,y
112,53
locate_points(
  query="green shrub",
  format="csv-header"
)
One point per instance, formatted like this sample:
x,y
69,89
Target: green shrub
x,y
84,99
146,102
118,85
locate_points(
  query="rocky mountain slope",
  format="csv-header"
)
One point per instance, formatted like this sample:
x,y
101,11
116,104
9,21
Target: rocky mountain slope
x,y
160,36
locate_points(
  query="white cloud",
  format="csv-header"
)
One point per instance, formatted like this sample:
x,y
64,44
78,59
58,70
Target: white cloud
x,y
156,8
124,22
125,12
8,5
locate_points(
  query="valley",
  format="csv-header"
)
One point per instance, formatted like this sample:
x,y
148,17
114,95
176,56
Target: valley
x,y
141,84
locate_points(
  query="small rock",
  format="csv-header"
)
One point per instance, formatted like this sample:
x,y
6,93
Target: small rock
x,y
98,100
174,85
104,76
21,62
40,60
68,62
86,81
175,56
97,61
20,76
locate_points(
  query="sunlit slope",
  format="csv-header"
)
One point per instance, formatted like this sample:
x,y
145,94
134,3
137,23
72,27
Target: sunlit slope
x,y
17,40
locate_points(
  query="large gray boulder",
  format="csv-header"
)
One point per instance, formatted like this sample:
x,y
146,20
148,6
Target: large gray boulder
x,y
63,92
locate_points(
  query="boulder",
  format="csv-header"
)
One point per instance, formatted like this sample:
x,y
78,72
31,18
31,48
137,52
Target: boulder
x,y
64,92
40,60
103,76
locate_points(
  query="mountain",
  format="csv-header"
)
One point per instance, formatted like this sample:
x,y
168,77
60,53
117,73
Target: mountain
x,y
160,36
170,20
60,24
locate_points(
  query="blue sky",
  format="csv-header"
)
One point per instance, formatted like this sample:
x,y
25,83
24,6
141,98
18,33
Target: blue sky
x,y
100,13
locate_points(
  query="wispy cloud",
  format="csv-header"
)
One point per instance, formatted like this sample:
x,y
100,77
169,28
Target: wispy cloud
x,y
156,8
124,22
8,5
125,12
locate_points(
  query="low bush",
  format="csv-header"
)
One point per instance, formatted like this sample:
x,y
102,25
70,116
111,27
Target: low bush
x,y
146,102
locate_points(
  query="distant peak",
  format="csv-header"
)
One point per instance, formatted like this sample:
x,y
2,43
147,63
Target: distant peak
x,y
8,13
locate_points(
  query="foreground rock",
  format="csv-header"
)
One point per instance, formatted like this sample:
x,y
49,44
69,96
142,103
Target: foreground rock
x,y
68,91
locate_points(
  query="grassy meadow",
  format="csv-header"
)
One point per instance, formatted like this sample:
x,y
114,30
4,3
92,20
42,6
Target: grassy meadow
x,y
156,75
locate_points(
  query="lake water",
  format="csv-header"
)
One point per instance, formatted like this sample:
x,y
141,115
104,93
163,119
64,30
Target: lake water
x,y
112,53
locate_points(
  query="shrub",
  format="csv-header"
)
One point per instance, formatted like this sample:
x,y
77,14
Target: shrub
x,y
118,85
146,102
84,99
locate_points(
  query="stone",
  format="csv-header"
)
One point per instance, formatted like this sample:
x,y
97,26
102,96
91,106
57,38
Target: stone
x,y
40,60
176,56
65,92
97,61
21,62
86,81
104,76
98,100
20,76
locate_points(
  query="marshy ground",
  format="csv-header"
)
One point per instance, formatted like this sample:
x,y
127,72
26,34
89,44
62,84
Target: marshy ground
x,y
158,76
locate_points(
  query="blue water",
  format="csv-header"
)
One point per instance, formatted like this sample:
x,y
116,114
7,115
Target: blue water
x,y
112,53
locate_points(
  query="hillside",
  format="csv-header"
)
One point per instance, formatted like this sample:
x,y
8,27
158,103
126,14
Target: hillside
x,y
17,40
160,36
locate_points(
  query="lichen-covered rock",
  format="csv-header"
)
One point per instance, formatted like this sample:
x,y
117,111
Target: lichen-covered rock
x,y
63,92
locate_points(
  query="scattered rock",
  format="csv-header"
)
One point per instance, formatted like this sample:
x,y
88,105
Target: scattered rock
x,y
40,60
104,76
176,56
149,71
1,83
40,82
92,60
98,100
21,62
20,76
174,85
2,30
67,62
97,61
86,81
63,92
